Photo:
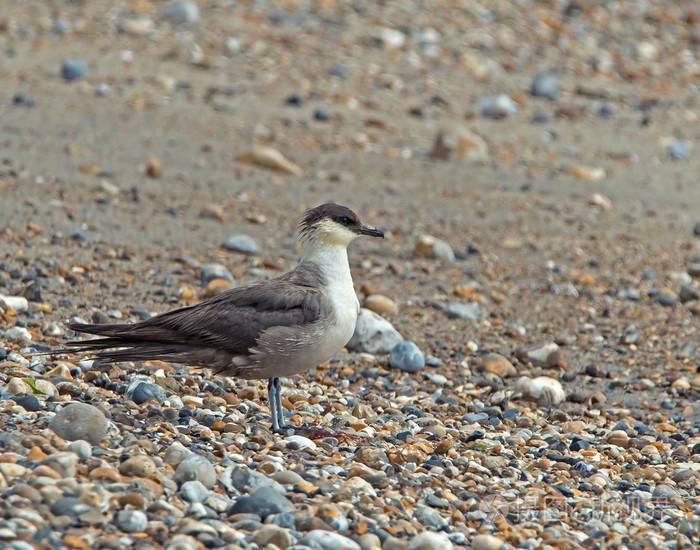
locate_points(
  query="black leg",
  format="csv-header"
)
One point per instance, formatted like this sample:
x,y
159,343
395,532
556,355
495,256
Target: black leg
x,y
272,403
278,404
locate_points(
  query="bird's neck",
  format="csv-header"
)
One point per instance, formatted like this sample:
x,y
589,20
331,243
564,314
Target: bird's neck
x,y
332,259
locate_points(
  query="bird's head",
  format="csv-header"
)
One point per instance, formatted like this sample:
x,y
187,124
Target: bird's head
x,y
334,225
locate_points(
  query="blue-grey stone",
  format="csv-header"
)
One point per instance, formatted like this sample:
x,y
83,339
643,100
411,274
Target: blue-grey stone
x,y
28,402
69,506
80,421
215,271
498,106
141,391
193,491
263,502
373,334
471,311
73,69
407,357
545,85
132,521
678,150
195,467
243,244
182,12
430,518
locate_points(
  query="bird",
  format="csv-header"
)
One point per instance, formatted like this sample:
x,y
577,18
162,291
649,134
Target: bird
x,y
267,329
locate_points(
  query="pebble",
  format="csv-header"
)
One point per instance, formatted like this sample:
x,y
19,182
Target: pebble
x,y
141,391
132,521
80,421
267,157
299,443
81,448
73,69
677,150
373,334
326,540
487,542
470,311
388,37
242,244
428,540
28,402
460,144
263,502
210,272
18,334
381,304
497,107
545,85
547,355
428,246
18,303
195,467
544,390
407,356
273,534
495,363
182,12
194,491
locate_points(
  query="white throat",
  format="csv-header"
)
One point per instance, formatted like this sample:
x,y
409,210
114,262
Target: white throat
x,y
332,259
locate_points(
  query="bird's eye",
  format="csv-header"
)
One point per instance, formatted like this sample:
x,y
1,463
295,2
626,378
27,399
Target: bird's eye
x,y
345,220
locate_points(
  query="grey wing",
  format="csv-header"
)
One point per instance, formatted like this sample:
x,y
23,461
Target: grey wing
x,y
211,332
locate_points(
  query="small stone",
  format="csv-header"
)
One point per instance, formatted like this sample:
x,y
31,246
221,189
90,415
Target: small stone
x,y
586,173
80,421
545,85
154,168
428,246
273,534
470,311
141,391
665,493
370,541
547,356
176,453
73,69
495,364
139,466
64,463
333,516
182,12
321,115
18,303
210,272
429,517
388,38
601,201
81,448
688,294
677,150
18,334
373,334
270,158
461,144
487,542
263,502
428,540
326,540
406,356
544,390
497,107
196,467
243,244
212,211
194,491
132,521
381,304
299,443
28,402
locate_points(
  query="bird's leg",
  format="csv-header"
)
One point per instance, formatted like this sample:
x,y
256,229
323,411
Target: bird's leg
x,y
272,403
279,409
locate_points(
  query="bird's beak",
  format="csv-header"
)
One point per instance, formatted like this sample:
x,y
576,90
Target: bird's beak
x,y
371,231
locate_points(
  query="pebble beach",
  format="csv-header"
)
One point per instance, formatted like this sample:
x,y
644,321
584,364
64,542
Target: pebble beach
x,y
524,372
